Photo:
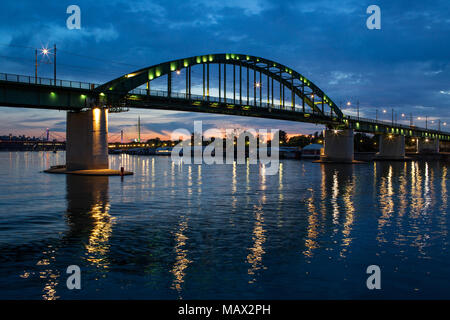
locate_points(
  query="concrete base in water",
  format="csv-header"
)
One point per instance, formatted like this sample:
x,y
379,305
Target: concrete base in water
x,y
338,147
87,140
91,172
392,148
427,145
87,145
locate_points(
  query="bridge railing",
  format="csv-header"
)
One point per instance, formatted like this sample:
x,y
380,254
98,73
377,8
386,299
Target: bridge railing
x,y
159,93
231,101
47,81
395,124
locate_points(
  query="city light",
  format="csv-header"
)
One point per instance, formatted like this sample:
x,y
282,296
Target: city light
x,y
178,71
257,84
349,103
384,111
44,51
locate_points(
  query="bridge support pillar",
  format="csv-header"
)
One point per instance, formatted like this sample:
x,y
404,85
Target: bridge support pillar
x,y
392,147
427,145
338,146
87,140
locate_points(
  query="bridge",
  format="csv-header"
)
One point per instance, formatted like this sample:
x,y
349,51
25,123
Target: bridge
x,y
260,88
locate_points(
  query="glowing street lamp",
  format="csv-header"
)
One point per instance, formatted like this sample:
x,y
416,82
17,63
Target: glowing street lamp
x,y
46,52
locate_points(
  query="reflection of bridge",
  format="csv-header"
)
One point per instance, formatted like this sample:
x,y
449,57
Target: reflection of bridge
x,y
257,87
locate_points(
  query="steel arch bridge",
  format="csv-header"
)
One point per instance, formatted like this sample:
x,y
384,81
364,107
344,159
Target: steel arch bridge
x,y
305,103
312,98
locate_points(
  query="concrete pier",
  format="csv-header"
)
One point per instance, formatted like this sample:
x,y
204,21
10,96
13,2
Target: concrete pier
x,y
87,140
427,145
87,144
392,147
338,146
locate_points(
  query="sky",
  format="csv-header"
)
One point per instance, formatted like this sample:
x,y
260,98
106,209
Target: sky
x,y
404,65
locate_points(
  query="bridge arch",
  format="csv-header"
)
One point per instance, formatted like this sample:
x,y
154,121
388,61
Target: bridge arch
x,y
300,86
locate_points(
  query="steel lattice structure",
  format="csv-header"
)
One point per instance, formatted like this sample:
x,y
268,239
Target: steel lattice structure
x,y
300,87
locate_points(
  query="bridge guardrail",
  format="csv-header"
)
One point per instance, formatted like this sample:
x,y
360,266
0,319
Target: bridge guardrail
x,y
158,93
197,97
47,81
396,124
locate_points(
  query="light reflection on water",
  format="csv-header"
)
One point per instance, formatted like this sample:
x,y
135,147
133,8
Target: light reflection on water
x,y
195,231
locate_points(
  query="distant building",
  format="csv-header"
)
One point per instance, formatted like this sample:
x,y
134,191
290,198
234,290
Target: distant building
x,y
289,152
312,151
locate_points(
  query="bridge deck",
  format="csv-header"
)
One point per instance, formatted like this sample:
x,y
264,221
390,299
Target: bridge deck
x,y
31,92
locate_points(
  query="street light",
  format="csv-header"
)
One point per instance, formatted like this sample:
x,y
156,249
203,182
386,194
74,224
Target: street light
x,y
46,52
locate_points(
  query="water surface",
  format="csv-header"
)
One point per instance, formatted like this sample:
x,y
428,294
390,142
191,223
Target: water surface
x,y
223,231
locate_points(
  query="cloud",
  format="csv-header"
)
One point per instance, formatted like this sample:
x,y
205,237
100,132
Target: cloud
x,y
249,7
345,78
146,6
61,34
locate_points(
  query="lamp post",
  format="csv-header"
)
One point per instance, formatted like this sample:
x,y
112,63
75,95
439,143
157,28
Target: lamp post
x,y
35,65
357,108
54,63
45,52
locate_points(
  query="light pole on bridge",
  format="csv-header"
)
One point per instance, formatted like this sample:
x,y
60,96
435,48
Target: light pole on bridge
x,y
45,52
357,107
